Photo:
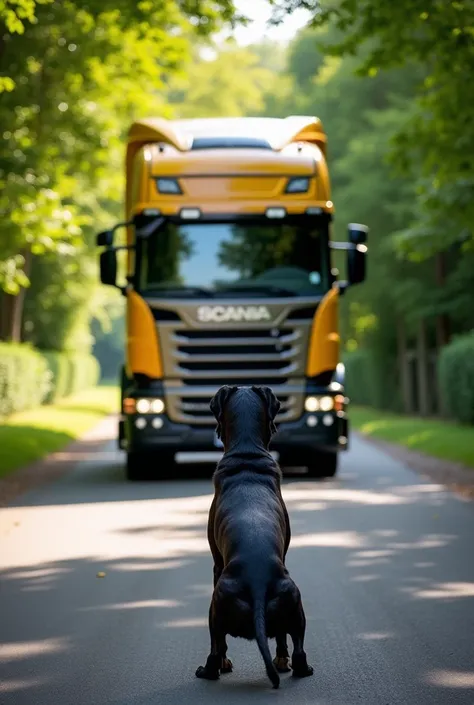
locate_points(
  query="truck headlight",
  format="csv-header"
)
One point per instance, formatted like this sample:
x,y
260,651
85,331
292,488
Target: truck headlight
x,y
157,406
143,406
326,403
319,404
311,404
150,406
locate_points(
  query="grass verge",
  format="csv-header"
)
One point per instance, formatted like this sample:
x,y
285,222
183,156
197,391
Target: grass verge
x,y
440,439
33,434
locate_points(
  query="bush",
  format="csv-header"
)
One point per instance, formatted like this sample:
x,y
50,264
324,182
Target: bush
x,y
456,378
360,378
25,378
84,371
60,369
71,373
29,377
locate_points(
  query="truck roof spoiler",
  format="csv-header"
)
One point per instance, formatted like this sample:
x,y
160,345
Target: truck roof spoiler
x,y
179,134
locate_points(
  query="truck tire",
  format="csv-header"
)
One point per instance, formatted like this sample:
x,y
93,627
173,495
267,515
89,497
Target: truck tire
x,y
323,464
142,467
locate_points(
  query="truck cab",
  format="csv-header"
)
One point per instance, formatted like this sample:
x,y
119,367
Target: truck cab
x,y
230,280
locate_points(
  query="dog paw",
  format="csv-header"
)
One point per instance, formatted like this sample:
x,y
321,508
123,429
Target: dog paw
x,y
227,666
303,672
203,672
282,664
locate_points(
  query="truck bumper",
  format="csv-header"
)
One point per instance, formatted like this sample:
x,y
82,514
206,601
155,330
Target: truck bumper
x,y
327,432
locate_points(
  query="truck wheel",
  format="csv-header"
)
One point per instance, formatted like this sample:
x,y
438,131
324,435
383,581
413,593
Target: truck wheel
x,y
144,466
323,464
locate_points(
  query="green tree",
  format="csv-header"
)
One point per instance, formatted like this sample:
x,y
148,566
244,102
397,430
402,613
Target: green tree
x,y
75,76
232,83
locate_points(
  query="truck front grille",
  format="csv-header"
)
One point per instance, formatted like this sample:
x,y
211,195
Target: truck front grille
x,y
195,411
197,362
234,354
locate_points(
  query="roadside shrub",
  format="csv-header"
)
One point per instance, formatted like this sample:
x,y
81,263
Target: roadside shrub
x,y
71,373
84,372
456,378
25,378
360,380
60,369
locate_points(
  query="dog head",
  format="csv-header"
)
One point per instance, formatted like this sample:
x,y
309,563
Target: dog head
x,y
242,404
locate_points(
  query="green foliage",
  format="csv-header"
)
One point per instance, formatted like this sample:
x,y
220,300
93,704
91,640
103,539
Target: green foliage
x,y
230,83
75,76
360,383
31,435
434,146
24,378
29,378
378,180
439,439
456,377
70,373
84,372
60,369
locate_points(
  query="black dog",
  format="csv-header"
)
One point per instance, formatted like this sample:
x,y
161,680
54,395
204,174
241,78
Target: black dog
x,y
249,534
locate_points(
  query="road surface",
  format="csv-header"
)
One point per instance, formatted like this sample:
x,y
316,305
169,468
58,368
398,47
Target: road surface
x,y
384,561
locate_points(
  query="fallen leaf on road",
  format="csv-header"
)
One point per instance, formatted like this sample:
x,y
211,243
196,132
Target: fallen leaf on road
x,y
101,574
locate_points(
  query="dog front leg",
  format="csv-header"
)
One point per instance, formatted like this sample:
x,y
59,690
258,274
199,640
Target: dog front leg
x,y
216,661
299,662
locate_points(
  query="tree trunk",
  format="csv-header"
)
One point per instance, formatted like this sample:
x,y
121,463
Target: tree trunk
x,y
11,308
403,367
443,332
6,310
423,371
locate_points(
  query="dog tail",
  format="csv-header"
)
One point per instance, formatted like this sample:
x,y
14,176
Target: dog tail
x,y
261,638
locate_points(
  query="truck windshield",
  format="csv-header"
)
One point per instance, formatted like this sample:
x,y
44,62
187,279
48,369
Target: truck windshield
x,y
271,259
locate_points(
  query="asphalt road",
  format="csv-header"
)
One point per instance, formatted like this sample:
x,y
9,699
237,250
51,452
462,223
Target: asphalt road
x,y
384,561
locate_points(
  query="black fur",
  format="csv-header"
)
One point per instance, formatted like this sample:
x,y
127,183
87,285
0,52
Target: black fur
x,y
249,535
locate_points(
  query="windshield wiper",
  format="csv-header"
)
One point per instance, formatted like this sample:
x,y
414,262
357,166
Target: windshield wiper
x,y
258,289
182,291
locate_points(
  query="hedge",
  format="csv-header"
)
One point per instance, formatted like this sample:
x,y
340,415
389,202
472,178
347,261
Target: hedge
x,y
456,378
360,380
24,378
84,372
30,377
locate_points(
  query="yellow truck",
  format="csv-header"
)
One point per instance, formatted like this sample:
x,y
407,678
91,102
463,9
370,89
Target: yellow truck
x,y
230,281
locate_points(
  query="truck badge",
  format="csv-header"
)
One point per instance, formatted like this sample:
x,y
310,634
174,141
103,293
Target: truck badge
x,y
229,314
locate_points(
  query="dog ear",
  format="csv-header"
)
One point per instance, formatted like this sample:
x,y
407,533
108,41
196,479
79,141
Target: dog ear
x,y
272,404
218,403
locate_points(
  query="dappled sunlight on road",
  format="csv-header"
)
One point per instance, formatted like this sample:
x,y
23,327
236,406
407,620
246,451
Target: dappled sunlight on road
x,y
375,636
451,679
340,539
137,605
184,623
444,591
21,649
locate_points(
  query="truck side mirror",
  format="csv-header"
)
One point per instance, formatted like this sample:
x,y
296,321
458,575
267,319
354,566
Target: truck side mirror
x,y
108,267
356,264
105,238
358,233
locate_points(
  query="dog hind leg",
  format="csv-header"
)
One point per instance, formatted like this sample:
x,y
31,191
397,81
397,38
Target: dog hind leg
x,y
282,658
299,662
217,658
